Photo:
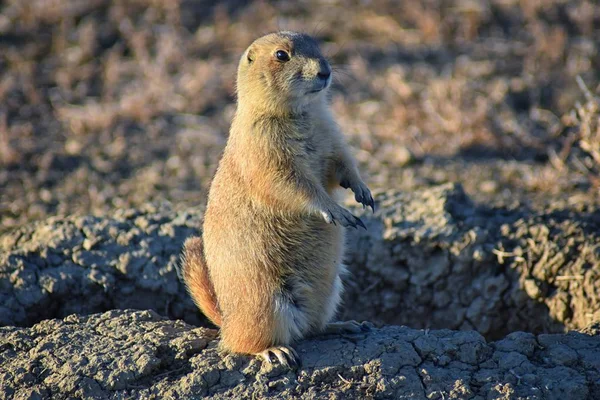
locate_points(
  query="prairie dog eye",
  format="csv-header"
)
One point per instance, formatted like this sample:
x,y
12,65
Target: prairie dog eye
x,y
282,55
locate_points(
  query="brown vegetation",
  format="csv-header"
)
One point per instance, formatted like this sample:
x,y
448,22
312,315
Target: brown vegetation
x,y
107,104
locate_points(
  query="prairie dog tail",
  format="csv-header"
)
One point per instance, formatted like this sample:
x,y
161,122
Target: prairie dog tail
x,y
195,275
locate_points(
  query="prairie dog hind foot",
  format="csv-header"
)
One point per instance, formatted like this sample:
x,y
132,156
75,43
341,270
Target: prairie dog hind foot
x,y
286,355
347,327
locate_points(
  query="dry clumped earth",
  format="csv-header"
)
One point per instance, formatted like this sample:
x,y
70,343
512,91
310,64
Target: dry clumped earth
x,y
477,124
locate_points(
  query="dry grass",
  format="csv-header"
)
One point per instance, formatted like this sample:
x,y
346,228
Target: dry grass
x,y
581,150
113,103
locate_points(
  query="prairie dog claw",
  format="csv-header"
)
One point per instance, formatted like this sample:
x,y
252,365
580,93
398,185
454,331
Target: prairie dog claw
x,y
343,216
362,195
286,356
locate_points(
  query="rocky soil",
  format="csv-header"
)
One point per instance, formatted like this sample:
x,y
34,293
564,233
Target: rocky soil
x,y
430,259
138,354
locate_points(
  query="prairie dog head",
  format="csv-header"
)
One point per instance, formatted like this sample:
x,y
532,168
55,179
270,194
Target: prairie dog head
x,y
282,72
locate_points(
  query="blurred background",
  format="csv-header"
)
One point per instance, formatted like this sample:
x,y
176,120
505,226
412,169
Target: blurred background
x,y
110,104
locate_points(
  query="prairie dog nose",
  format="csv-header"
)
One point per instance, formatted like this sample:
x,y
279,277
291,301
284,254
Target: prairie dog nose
x,y
324,70
324,74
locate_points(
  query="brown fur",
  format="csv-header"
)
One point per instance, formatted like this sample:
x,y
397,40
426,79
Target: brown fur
x,y
273,255
198,282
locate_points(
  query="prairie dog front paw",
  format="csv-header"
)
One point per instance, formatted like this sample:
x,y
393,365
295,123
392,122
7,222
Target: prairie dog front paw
x,y
337,214
362,195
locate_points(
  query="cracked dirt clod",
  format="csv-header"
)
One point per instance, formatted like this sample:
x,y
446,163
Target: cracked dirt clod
x,y
434,259
138,354
430,259
87,264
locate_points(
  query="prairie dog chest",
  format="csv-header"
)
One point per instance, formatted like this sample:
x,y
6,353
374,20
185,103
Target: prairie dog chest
x,y
313,146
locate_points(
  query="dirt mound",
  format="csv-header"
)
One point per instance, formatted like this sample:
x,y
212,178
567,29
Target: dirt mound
x,y
429,259
127,354
434,259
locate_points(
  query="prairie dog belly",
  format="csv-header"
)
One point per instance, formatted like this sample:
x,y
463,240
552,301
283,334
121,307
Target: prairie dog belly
x,y
313,282
297,258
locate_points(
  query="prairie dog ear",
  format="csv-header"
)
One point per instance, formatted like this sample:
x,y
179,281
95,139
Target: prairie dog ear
x,y
250,55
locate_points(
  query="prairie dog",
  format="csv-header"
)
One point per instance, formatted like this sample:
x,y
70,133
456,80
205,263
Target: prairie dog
x,y
267,268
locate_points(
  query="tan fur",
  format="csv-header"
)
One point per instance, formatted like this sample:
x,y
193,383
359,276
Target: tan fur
x,y
273,257
197,279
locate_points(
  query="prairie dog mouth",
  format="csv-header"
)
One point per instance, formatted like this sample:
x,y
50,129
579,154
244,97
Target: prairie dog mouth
x,y
325,85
